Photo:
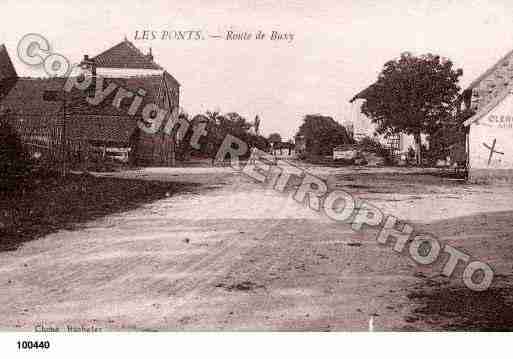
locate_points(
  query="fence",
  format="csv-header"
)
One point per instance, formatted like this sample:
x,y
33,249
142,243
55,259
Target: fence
x,y
49,143
43,142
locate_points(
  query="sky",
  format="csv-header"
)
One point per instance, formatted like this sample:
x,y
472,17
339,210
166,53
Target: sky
x,y
338,48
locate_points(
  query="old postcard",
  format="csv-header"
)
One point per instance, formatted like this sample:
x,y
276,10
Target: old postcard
x,y
240,165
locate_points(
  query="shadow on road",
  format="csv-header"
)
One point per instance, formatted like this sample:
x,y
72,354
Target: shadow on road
x,y
464,310
46,205
448,305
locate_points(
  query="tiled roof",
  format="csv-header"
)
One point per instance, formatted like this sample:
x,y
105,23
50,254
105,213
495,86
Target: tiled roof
x,y
488,108
105,121
362,94
150,84
170,78
8,74
101,128
125,55
26,96
488,72
7,70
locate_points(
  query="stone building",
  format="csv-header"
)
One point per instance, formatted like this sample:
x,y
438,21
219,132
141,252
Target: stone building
x,y
69,124
489,144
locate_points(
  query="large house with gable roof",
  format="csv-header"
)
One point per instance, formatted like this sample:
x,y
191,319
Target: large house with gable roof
x,y
42,124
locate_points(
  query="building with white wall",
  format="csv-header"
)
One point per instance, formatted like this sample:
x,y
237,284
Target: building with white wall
x,y
490,129
363,126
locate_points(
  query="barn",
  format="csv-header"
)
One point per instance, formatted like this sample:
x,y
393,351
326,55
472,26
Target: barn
x,y
71,127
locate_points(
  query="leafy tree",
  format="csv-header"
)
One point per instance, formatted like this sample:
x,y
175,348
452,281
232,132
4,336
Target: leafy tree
x,y
218,126
321,134
413,95
449,139
373,145
13,159
237,121
182,148
213,115
274,138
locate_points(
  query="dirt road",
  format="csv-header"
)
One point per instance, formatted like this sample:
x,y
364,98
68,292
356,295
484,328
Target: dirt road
x,y
234,255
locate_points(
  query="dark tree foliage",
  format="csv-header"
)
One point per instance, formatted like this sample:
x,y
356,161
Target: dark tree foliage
x,y
274,138
321,134
13,162
413,95
217,127
449,139
372,145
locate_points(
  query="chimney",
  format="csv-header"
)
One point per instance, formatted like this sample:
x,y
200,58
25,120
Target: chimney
x,y
88,63
150,55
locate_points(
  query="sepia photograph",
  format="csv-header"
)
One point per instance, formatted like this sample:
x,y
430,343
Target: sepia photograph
x,y
255,166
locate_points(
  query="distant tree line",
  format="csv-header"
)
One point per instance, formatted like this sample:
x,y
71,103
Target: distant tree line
x,y
219,125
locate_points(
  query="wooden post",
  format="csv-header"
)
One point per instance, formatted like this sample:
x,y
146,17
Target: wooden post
x,y
64,139
418,148
173,151
52,95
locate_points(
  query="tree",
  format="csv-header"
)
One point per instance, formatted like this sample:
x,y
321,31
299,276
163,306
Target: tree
x,y
450,138
320,134
213,115
218,126
413,95
182,147
13,159
274,138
